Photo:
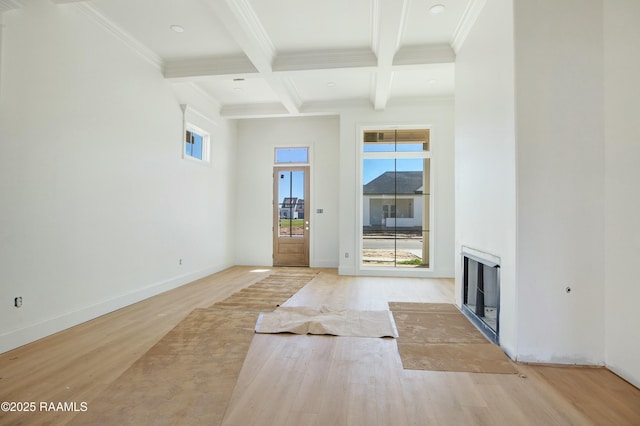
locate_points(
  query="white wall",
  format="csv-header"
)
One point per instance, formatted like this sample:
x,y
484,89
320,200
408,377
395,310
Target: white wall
x,y
257,139
485,154
577,140
97,205
436,113
560,178
622,151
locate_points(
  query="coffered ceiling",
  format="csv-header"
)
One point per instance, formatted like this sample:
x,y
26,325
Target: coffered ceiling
x,y
292,57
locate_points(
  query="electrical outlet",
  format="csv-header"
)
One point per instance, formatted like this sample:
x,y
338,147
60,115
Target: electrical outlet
x,y
17,302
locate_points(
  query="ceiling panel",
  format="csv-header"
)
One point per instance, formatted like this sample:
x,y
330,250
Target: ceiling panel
x,y
332,85
296,25
149,22
325,46
433,80
423,27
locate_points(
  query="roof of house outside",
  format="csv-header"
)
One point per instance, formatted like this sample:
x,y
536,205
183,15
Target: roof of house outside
x,y
395,183
289,201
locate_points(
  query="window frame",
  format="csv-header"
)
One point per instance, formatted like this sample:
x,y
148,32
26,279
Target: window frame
x,y
360,267
206,143
275,155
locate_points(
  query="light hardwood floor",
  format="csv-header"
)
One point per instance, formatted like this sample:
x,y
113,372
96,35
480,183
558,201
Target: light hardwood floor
x,y
314,380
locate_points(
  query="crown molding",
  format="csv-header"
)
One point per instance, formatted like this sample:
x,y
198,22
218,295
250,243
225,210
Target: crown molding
x,y
324,59
424,54
188,110
467,21
205,95
6,5
99,18
208,67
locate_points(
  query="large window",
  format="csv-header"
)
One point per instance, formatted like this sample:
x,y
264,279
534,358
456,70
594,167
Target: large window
x,y
396,196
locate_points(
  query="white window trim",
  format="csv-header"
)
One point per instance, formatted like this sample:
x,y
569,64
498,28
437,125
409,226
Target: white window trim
x,y
206,143
360,268
187,125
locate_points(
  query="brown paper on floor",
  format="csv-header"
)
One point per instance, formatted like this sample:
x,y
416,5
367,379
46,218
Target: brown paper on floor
x,y
269,293
437,336
188,377
305,320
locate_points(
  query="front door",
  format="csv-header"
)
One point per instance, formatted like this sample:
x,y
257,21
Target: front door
x,y
291,216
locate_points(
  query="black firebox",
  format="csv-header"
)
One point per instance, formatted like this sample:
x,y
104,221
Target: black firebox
x,y
481,292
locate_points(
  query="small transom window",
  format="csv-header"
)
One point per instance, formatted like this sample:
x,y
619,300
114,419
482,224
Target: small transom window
x,y
292,155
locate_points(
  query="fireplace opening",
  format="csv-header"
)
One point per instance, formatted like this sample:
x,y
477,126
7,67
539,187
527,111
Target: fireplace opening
x,y
481,292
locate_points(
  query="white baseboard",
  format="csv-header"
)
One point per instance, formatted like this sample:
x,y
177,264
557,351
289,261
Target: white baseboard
x,y
324,264
346,270
16,338
625,374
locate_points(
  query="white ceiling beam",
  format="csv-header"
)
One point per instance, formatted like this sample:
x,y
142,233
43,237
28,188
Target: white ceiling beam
x,y
424,55
245,27
382,89
254,111
324,60
387,29
287,64
220,66
333,107
322,108
290,65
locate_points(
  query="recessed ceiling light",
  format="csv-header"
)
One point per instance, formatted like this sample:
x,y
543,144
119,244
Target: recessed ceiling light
x,y
177,28
433,81
437,8
331,84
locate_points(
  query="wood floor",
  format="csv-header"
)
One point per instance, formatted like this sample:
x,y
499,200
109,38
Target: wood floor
x,y
312,380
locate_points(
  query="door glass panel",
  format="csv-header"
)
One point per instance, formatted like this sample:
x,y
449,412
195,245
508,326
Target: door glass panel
x,y
291,204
